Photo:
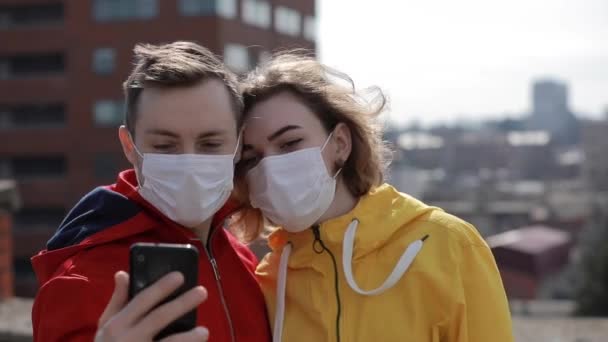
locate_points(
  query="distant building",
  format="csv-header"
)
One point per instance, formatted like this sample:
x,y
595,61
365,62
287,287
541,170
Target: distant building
x,y
62,64
551,112
529,255
595,148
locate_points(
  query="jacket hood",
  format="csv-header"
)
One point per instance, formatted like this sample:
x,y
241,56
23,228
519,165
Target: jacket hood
x,y
381,213
107,214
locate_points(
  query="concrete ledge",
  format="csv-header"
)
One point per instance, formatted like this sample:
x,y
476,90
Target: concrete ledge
x,y
9,196
15,320
528,329
16,325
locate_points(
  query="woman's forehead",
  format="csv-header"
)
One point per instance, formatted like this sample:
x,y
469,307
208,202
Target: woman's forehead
x,y
278,111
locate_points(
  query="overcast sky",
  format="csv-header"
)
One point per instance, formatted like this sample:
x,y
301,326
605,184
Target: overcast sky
x,y
453,60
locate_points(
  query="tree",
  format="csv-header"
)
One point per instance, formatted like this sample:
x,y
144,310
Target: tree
x,y
592,295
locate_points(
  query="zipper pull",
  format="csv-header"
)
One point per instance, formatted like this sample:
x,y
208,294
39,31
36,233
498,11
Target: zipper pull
x,y
215,270
318,246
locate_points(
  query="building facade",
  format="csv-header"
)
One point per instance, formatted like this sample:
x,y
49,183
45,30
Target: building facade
x,y
62,64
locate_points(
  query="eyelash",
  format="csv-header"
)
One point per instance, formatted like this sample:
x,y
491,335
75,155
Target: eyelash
x,y
162,147
211,144
291,143
253,161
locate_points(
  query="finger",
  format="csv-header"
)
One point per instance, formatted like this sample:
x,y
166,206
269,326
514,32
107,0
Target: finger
x,y
149,298
160,317
119,297
198,334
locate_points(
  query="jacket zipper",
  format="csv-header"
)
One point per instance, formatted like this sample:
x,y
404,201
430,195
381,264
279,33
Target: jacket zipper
x,y
318,246
216,274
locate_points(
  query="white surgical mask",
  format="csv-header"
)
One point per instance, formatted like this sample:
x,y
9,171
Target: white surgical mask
x,y
187,188
294,189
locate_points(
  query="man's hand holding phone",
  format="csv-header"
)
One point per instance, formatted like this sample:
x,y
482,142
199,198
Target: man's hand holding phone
x,y
158,299
140,319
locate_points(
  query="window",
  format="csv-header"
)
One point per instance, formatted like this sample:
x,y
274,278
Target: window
x,y
22,66
196,7
107,166
39,217
310,28
257,13
116,10
25,168
224,8
5,168
108,112
287,21
37,15
236,57
4,69
32,116
104,61
23,268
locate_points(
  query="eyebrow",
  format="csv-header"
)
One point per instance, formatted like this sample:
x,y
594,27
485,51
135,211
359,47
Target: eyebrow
x,y
281,131
273,136
211,134
163,132
167,133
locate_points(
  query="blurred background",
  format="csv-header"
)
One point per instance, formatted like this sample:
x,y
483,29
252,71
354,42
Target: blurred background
x,y
499,115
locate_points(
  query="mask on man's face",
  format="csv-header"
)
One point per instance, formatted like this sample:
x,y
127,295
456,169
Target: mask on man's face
x,y
188,188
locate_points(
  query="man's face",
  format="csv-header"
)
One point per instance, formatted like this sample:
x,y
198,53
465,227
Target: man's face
x,y
183,120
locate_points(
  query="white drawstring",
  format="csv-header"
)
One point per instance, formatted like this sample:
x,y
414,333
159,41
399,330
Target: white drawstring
x,y
347,254
402,265
279,314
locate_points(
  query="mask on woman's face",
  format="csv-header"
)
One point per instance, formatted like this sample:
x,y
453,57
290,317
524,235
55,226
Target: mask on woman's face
x,y
187,188
292,190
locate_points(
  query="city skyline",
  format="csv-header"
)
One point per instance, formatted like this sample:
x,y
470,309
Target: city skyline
x,y
443,61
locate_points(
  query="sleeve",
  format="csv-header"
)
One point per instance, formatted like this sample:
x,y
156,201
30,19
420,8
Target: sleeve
x,y
68,309
485,314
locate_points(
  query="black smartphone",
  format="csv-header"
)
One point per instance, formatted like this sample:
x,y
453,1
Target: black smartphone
x,y
151,261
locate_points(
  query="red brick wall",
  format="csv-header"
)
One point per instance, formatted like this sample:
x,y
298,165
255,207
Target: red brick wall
x,y
6,256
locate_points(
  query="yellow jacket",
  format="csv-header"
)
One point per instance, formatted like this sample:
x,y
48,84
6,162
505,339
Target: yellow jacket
x,y
451,292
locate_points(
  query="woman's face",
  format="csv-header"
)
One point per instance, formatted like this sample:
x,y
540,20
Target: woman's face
x,y
283,124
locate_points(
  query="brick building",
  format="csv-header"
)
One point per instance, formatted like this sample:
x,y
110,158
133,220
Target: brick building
x,y
62,63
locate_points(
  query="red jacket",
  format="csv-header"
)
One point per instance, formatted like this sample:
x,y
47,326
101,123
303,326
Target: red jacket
x,y
76,271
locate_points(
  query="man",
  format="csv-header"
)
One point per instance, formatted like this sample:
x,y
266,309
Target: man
x,y
183,115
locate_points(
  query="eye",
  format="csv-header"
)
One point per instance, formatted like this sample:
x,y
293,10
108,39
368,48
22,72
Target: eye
x,y
210,145
290,144
164,148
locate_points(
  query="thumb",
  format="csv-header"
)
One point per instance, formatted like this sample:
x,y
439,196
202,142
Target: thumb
x,y
119,297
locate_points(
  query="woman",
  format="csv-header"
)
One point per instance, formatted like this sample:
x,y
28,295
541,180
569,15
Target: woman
x,y
354,259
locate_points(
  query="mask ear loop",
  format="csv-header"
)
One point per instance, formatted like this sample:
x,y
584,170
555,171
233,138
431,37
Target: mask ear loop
x,y
135,146
323,148
338,172
238,142
327,141
141,182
